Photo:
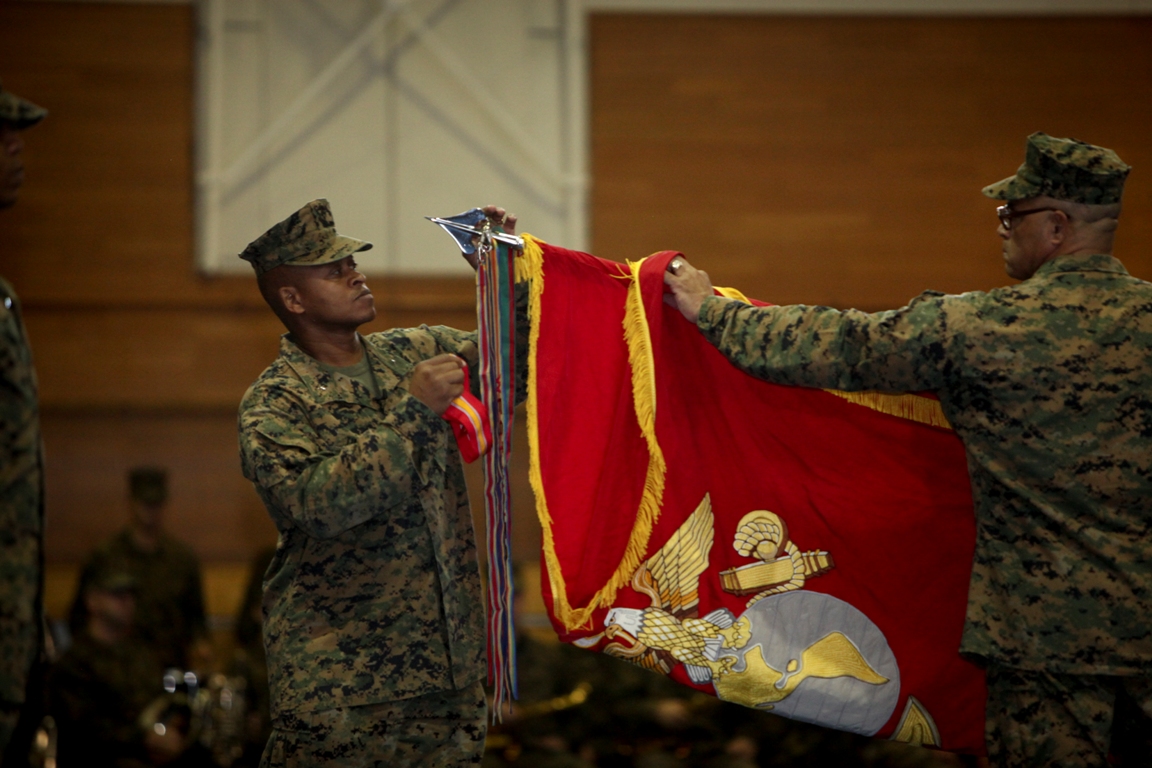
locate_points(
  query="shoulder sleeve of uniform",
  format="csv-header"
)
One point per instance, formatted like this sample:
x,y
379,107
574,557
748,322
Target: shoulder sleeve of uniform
x,y
454,341
906,349
425,341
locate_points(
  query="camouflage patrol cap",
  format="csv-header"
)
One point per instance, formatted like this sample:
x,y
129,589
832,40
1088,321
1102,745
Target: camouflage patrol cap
x,y
305,238
149,484
1065,169
19,112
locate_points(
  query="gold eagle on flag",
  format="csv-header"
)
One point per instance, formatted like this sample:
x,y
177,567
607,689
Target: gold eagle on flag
x,y
669,631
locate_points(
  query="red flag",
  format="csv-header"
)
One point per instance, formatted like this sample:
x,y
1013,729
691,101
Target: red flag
x,y
795,550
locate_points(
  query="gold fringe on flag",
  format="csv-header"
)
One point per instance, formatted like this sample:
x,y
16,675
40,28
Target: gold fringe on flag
x,y
732,293
639,340
530,266
914,407
639,343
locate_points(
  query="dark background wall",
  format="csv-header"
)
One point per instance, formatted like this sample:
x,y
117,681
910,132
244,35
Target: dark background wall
x,y
839,160
824,160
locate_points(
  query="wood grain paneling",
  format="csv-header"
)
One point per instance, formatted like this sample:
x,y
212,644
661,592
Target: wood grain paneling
x,y
211,505
839,160
166,358
140,359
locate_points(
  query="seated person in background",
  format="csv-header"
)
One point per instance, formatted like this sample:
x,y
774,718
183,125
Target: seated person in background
x,y
105,679
169,598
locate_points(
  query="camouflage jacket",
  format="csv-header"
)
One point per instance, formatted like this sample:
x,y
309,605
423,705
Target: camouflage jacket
x,y
21,503
373,594
169,595
1049,385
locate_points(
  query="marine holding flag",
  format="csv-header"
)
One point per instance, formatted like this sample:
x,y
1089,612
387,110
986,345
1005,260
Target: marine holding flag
x,y
1048,383
373,618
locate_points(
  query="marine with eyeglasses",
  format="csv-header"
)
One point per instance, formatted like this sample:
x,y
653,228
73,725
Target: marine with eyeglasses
x,y
1049,385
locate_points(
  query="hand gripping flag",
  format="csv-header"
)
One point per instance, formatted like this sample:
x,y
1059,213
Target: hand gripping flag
x,y
799,551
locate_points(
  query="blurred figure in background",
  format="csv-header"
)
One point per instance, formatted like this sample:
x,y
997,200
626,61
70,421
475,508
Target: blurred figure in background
x,y
21,481
105,679
169,600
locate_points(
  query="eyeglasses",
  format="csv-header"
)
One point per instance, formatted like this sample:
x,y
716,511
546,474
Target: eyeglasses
x,y
1006,214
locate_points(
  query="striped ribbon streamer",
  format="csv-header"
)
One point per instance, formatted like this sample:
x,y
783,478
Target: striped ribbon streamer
x,y
470,424
495,287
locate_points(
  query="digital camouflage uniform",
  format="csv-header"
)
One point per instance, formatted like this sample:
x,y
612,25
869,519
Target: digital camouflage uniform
x,y
21,490
373,617
98,692
21,514
169,592
1049,385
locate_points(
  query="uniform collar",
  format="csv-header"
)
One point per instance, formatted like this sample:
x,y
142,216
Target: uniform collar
x,y
1096,262
328,387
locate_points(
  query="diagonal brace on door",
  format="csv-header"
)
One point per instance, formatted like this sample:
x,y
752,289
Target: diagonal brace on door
x,y
225,180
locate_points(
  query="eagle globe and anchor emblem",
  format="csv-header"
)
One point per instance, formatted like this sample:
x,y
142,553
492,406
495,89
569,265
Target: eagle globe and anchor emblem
x,y
804,655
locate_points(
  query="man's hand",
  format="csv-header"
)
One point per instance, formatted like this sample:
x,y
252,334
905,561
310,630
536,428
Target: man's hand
x,y
500,220
690,287
438,381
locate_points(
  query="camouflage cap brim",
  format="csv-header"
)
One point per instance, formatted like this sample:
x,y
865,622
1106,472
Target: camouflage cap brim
x,y
21,113
306,238
340,248
1014,187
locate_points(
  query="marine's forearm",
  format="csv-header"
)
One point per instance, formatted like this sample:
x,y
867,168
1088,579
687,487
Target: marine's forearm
x,y
326,494
827,348
794,345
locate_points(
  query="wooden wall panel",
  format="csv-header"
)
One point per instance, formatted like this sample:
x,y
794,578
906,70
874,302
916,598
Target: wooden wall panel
x,y
88,456
165,358
211,505
839,160
141,360
106,211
